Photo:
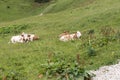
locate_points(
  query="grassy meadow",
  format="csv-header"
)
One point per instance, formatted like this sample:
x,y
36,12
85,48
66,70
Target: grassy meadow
x,y
97,20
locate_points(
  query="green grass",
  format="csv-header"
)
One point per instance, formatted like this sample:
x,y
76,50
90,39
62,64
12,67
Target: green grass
x,y
15,9
60,16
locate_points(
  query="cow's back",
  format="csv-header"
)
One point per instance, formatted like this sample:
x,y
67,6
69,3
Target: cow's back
x,y
15,39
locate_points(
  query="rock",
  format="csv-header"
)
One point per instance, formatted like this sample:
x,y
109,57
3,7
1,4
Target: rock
x,y
111,72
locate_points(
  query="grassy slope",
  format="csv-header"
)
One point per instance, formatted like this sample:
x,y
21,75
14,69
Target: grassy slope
x,y
91,15
16,9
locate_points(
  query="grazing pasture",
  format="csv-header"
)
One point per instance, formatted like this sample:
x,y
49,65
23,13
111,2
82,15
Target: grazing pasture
x,y
97,20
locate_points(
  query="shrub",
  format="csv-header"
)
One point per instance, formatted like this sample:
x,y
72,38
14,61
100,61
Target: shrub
x,y
91,51
62,68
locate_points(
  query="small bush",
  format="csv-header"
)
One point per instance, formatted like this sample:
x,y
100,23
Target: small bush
x,y
91,51
62,68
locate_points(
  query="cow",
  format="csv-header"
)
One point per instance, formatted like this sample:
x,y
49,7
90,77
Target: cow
x,y
68,37
24,37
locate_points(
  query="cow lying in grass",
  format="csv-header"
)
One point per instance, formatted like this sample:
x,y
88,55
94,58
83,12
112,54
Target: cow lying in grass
x,y
24,38
67,37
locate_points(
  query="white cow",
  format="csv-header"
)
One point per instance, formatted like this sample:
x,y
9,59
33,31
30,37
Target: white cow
x,y
68,37
24,37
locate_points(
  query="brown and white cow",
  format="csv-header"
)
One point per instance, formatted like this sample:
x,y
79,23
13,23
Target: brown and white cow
x,y
24,37
68,37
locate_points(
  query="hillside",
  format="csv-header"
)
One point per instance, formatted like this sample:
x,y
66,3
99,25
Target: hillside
x,y
16,9
99,18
